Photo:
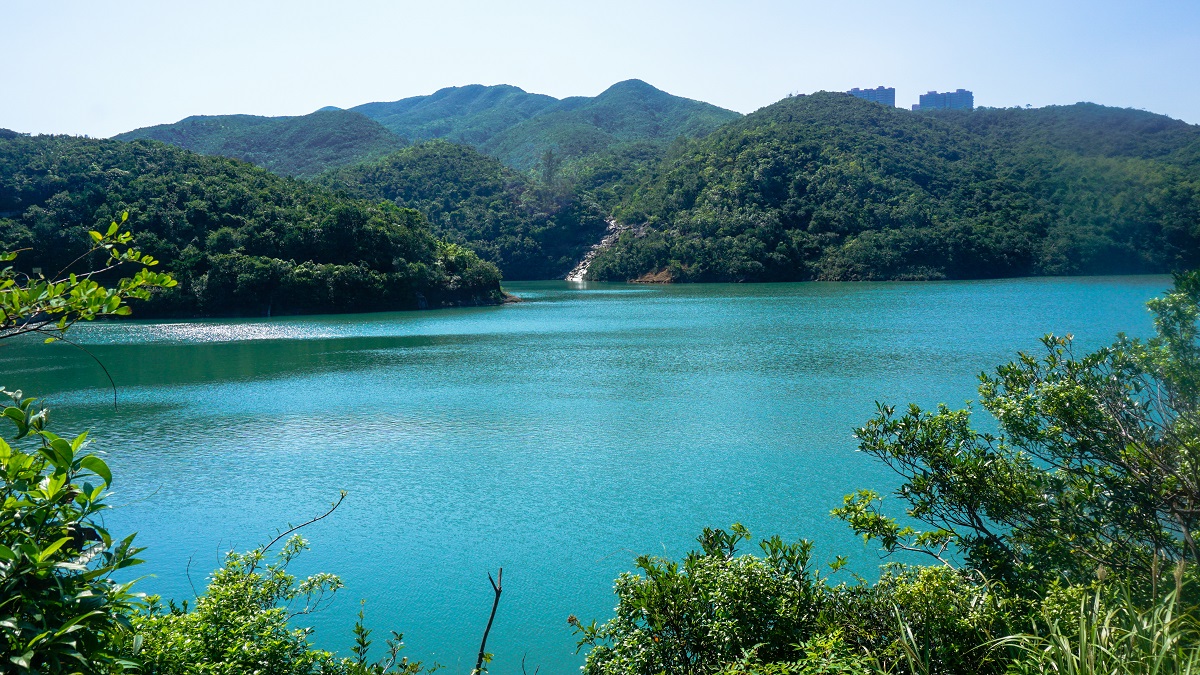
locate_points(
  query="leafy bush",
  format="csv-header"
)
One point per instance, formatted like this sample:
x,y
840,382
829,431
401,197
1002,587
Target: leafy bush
x,y
709,611
825,655
718,611
60,608
242,624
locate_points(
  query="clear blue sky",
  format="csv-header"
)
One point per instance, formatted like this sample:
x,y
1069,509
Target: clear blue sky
x,y
99,68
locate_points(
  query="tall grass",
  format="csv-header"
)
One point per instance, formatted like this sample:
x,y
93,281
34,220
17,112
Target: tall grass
x,y
1121,640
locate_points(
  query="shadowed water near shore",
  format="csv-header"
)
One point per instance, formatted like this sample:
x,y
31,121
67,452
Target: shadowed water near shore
x,y
557,437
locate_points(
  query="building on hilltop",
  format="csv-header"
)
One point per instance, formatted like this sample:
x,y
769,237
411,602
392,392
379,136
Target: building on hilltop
x,y
884,95
960,99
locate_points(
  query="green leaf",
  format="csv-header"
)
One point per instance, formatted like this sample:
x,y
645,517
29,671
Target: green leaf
x,y
49,550
97,466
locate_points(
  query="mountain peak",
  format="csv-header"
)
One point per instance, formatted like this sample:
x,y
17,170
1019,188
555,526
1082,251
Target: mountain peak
x,y
634,86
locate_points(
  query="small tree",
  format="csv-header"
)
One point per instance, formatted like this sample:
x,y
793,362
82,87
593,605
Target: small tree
x,y
60,607
242,624
1097,463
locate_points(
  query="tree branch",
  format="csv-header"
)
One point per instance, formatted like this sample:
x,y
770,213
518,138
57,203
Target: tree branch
x,y
497,586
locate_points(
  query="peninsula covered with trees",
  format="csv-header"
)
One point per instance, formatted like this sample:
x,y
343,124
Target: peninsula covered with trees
x,y
239,239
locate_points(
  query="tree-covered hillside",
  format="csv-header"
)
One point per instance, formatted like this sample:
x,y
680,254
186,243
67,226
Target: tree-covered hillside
x,y
828,186
530,230
625,112
502,120
1085,129
239,239
519,127
290,146
472,114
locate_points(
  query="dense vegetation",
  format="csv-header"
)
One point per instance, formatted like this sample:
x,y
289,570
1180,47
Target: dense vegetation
x,y
290,146
240,240
828,186
1085,129
529,229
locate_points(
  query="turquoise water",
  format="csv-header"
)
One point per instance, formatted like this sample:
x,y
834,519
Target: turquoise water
x,y
558,437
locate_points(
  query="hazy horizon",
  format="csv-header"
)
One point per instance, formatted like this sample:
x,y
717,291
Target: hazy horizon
x,y
83,69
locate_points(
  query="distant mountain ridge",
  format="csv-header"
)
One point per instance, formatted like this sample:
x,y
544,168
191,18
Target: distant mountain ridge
x,y
504,121
472,114
517,127
302,146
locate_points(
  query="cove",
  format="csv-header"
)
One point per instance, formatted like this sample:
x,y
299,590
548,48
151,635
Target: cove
x,y
559,437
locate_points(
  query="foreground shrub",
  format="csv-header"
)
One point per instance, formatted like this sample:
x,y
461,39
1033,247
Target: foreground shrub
x,y
1097,462
709,611
243,624
719,610
60,608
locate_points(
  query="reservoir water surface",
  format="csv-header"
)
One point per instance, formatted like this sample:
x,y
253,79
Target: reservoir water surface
x,y
558,437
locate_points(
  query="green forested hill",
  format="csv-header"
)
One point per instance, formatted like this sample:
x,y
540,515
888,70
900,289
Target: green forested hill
x,y
290,146
240,240
531,231
502,120
519,127
472,114
626,112
828,186
1085,129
